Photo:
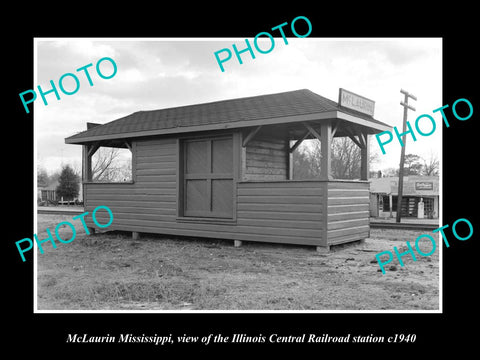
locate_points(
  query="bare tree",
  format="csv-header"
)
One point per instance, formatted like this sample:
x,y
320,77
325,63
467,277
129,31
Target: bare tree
x,y
101,163
346,157
412,164
108,165
431,166
345,163
304,166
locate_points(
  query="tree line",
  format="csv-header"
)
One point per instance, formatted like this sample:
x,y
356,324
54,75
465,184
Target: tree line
x,y
345,161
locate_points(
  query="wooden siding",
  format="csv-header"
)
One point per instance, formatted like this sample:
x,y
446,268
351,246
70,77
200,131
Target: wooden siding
x,y
268,211
348,211
280,212
266,160
150,200
284,212
271,217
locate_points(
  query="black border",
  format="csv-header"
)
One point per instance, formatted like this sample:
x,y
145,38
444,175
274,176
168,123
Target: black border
x,y
47,332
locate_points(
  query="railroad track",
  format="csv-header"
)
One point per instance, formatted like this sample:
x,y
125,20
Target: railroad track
x,y
402,226
60,212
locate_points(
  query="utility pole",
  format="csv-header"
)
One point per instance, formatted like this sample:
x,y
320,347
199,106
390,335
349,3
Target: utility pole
x,y
406,106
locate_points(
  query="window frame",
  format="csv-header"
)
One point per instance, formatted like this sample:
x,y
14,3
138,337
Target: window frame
x,y
87,162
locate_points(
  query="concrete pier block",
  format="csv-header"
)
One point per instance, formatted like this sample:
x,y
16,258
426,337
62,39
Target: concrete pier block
x,y
323,249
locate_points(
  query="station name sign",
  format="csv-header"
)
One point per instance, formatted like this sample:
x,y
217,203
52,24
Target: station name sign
x,y
356,102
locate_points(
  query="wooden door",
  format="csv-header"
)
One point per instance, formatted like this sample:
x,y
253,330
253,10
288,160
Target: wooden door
x,y
208,177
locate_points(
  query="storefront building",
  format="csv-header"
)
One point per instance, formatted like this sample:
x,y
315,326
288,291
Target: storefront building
x,y
416,189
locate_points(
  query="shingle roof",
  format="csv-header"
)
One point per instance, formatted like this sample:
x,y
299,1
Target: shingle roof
x,y
285,107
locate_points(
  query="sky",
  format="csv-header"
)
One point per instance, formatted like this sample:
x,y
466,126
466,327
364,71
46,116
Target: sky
x,y
162,73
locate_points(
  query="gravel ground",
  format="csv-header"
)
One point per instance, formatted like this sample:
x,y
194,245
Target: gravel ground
x,y
110,271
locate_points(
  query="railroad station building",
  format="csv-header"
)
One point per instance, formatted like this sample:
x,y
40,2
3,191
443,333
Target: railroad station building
x,y
223,170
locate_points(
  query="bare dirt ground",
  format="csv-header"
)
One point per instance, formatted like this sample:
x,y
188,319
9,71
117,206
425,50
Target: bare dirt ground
x,y
110,271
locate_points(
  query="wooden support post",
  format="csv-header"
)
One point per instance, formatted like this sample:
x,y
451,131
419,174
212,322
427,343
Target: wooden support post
x,y
326,151
364,163
135,235
390,203
237,243
86,164
290,166
89,172
243,161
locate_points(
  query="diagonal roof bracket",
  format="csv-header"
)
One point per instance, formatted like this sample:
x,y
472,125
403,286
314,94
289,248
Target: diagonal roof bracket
x,y
93,149
312,130
335,128
363,140
354,139
251,135
299,141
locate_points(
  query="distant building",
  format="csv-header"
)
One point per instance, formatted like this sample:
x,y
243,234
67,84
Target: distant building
x,y
48,193
384,195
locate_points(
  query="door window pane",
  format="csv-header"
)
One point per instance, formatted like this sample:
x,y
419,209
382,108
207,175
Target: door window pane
x,y
222,197
196,195
222,156
197,157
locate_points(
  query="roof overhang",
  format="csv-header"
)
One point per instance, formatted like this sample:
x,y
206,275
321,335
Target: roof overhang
x,y
372,127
